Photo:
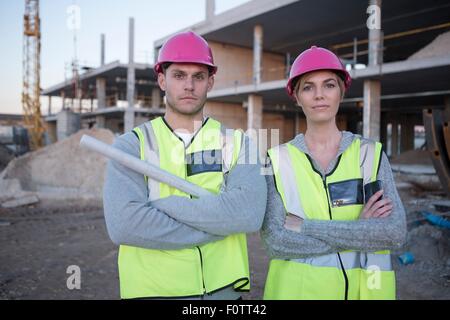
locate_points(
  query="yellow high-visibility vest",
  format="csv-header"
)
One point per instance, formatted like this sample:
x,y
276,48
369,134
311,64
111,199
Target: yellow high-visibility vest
x,y
337,196
203,269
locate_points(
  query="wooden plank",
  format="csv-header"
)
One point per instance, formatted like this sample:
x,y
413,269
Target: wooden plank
x,y
433,123
447,137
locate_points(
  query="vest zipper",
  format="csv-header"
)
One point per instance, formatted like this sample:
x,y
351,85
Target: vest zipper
x,y
198,248
201,268
324,179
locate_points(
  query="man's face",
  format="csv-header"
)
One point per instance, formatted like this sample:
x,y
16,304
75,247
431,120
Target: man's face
x,y
186,86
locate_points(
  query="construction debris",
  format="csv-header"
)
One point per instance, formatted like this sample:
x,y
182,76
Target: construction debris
x,y
27,200
414,168
5,223
442,206
62,171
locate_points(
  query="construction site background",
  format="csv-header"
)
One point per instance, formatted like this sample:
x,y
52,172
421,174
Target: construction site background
x,y
51,211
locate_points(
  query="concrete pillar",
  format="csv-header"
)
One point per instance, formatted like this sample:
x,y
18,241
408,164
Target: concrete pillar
x,y
254,112
128,120
51,132
49,105
80,103
297,124
288,65
131,71
102,49
372,88
372,107
100,87
156,98
257,53
447,108
63,97
100,121
67,123
383,130
394,138
129,111
254,126
375,35
407,134
210,9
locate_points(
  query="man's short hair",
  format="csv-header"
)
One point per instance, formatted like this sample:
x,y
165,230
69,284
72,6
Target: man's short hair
x,y
166,66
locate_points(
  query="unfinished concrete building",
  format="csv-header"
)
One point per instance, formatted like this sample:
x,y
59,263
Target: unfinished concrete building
x,y
397,64
398,52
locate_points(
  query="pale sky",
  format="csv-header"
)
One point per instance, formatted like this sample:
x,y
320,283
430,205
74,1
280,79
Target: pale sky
x,y
153,20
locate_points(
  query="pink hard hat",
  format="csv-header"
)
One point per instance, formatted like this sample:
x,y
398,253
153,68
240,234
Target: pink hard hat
x,y
314,59
186,47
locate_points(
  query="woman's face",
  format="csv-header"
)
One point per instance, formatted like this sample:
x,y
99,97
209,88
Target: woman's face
x,y
319,95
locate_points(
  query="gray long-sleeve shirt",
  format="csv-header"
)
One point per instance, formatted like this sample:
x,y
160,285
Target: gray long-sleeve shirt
x,y
318,237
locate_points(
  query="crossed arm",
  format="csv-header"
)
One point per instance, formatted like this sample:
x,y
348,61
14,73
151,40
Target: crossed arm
x,y
178,222
317,237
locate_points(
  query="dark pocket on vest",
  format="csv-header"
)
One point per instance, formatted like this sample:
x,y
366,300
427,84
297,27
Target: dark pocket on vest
x,y
204,161
346,192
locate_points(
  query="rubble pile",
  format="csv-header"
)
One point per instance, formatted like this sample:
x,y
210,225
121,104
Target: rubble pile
x,y
61,171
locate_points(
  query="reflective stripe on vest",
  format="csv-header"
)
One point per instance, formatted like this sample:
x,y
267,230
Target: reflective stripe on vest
x,y
351,260
291,198
150,153
198,270
306,193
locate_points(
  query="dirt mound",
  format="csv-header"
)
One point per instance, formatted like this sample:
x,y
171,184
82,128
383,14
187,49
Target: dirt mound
x,y
62,170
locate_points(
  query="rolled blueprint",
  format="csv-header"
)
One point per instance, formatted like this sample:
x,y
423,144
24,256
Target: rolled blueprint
x,y
142,167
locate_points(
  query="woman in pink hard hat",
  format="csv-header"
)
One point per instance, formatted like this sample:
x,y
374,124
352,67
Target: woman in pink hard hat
x,y
333,212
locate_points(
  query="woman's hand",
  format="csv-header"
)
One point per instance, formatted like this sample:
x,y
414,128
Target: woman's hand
x,y
293,222
375,208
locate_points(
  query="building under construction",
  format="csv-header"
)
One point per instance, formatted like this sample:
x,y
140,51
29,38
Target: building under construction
x,y
399,65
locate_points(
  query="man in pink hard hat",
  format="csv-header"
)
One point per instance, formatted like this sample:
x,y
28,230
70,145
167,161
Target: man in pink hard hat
x,y
173,246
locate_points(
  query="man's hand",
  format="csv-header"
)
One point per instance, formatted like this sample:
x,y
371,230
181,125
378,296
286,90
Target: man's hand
x,y
375,208
293,222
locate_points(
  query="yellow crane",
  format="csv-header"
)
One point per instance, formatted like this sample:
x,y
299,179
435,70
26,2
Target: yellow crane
x,y
31,90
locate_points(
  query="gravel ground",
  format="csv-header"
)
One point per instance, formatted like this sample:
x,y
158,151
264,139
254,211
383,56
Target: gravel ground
x,y
38,244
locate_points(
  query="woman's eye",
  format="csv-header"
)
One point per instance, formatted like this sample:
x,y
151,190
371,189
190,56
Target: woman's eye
x,y
330,85
306,88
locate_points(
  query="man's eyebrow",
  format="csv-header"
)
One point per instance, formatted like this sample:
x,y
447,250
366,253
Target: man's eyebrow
x,y
178,71
183,72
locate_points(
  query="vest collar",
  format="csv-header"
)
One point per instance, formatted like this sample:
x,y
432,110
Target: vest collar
x,y
347,139
193,137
